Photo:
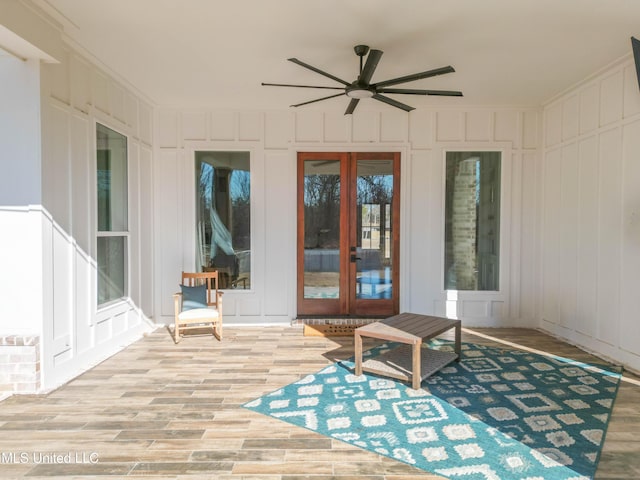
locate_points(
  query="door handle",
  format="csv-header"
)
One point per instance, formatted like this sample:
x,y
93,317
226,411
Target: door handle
x,y
354,258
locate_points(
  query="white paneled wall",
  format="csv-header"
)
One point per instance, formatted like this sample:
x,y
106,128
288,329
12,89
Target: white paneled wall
x,y
76,335
20,196
590,235
274,137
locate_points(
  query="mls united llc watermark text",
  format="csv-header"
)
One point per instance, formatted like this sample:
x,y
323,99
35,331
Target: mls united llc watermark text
x,y
49,457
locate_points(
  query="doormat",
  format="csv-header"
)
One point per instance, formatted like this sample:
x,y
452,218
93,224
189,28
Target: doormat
x,y
330,330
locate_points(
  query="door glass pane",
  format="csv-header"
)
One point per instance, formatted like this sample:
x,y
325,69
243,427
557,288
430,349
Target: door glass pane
x,y
374,196
472,221
322,229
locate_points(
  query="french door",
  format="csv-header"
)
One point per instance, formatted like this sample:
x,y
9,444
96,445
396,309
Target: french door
x,y
348,233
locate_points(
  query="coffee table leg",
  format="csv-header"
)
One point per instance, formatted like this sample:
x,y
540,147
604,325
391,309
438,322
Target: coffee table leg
x,y
357,340
416,376
458,342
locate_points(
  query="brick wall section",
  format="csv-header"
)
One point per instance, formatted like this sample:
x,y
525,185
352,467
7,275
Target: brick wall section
x,y
333,321
463,229
19,364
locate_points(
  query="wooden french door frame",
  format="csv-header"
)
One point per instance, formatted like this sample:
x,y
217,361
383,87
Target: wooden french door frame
x,y
348,303
324,306
386,306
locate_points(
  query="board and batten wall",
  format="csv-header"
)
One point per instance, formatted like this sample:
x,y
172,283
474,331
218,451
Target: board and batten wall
x,y
590,215
75,94
422,136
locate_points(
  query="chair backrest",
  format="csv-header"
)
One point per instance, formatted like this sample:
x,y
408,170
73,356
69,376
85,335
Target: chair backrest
x,y
210,279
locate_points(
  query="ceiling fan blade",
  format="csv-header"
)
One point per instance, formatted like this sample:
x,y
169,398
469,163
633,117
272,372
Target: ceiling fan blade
x,y
416,76
370,66
410,91
317,70
393,102
352,106
299,86
318,99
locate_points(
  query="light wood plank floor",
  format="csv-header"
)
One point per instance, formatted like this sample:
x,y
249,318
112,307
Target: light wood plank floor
x,y
169,411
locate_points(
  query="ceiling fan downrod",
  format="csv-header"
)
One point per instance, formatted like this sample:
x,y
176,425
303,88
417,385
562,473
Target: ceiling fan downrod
x,y
361,51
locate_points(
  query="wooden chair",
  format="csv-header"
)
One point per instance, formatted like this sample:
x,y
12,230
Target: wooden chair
x,y
199,305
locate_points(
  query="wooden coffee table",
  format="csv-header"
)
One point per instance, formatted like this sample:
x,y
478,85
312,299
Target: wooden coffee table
x,y
408,361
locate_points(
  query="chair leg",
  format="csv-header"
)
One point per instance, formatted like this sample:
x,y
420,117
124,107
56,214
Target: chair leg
x,y
176,333
217,330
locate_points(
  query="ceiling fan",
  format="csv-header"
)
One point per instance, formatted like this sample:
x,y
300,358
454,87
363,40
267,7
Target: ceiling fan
x,y
362,88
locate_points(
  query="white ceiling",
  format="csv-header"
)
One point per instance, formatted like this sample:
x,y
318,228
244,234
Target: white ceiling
x,y
215,53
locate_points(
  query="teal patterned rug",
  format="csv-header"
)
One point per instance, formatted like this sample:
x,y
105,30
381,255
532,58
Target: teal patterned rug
x,y
497,415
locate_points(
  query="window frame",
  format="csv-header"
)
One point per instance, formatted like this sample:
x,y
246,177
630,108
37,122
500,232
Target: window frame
x,y
124,234
195,148
506,161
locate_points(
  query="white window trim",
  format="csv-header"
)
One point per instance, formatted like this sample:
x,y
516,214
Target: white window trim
x,y
102,307
189,213
506,162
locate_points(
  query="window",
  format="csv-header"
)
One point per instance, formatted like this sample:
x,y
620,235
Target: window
x,y
223,203
112,236
472,221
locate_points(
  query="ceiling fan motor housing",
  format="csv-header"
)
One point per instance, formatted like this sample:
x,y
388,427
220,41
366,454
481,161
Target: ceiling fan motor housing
x,y
357,90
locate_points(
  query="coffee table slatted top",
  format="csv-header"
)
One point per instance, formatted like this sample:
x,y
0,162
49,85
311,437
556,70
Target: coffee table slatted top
x,y
409,328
